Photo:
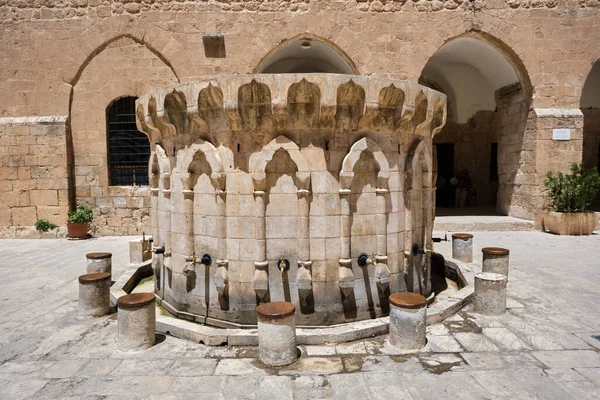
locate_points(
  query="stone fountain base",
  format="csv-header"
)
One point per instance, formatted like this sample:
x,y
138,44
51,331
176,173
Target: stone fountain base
x,y
136,279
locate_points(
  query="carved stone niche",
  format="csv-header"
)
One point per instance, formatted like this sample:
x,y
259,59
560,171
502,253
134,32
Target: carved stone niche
x,y
324,122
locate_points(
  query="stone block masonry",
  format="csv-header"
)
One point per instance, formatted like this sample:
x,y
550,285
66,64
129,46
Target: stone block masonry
x,y
33,174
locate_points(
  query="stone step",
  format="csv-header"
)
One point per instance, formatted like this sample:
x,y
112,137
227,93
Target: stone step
x,y
473,223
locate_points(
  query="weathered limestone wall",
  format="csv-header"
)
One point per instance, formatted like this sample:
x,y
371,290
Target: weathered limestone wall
x,y
472,150
591,136
554,155
50,48
123,68
381,43
516,156
33,174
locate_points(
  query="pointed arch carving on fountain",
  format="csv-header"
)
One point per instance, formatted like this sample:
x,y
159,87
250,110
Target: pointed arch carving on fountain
x,y
211,108
254,105
213,158
176,111
346,275
350,105
259,176
145,125
347,171
391,102
304,103
258,167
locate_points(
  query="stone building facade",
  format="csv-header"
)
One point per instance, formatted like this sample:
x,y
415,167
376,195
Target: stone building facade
x,y
513,71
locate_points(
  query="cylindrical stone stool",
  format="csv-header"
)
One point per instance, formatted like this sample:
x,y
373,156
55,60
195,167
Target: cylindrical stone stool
x,y
99,262
276,333
408,314
136,321
490,293
495,259
462,247
94,294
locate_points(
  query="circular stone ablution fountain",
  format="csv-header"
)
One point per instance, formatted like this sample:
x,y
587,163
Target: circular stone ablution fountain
x,y
316,189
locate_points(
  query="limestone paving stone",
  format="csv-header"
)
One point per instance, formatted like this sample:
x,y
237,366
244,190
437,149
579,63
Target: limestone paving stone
x,y
569,358
475,342
553,373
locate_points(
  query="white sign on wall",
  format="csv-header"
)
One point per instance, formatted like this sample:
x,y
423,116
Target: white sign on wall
x,y
561,134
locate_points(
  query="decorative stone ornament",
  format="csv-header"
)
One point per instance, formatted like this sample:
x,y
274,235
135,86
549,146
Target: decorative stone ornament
x,y
408,314
99,262
490,293
308,168
276,333
94,294
462,247
495,259
136,321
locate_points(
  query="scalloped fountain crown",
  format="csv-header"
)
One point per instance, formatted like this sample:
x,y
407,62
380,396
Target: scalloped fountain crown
x,y
304,170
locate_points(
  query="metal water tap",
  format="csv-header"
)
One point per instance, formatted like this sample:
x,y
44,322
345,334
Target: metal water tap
x,y
364,259
283,264
190,265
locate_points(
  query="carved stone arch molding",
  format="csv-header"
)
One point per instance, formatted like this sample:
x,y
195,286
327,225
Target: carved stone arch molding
x,y
213,158
417,149
258,167
347,171
259,177
382,272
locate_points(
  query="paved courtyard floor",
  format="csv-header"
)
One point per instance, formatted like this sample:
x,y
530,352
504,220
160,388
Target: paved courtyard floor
x,y
543,348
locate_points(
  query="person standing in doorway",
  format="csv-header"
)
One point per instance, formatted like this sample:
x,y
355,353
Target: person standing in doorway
x,y
464,188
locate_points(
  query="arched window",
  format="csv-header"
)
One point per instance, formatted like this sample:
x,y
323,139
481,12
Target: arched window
x,y
128,148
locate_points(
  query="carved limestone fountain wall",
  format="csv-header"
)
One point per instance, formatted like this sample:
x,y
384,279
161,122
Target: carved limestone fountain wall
x,y
289,182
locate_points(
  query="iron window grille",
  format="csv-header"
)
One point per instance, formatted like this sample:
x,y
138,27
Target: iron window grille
x,y
128,148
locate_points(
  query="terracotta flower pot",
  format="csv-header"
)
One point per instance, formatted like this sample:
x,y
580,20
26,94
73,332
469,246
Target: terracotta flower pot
x,y
582,223
77,230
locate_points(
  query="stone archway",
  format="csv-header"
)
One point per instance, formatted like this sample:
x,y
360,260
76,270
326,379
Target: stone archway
x,y
489,93
590,107
306,53
110,72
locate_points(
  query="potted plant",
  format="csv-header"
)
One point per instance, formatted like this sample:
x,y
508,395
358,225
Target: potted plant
x,y
78,222
570,195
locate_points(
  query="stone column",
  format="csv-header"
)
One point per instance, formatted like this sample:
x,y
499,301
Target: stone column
x,y
490,293
167,211
346,280
154,215
495,259
188,247
222,224
408,314
304,280
99,262
136,321
261,274
222,273
345,223
381,222
303,225
382,271
462,247
276,333
94,294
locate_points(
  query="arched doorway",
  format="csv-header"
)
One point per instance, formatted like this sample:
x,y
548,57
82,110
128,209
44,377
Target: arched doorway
x,y
479,149
590,107
305,54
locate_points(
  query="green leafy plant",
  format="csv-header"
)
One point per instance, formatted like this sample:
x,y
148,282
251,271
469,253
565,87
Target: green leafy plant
x,y
573,192
44,226
81,215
